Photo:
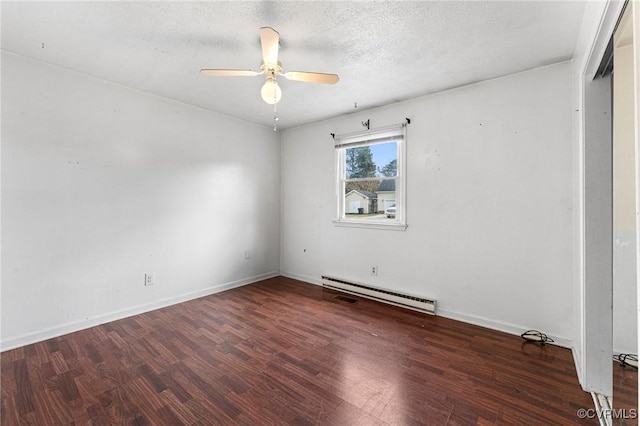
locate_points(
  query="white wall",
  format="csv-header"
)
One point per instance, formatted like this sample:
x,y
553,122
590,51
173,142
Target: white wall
x,y
625,330
489,204
588,32
590,342
102,184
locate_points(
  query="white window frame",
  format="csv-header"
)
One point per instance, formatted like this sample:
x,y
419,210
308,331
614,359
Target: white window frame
x,y
395,133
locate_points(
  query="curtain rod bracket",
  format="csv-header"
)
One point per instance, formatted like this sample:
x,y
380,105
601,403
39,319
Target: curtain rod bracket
x,y
366,124
408,120
333,135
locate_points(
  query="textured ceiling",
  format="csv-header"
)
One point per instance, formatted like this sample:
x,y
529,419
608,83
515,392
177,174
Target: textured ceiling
x,y
384,52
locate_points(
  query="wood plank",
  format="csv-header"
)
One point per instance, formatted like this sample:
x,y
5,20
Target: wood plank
x,y
284,352
625,395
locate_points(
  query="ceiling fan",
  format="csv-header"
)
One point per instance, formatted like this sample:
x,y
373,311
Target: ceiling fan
x,y
271,92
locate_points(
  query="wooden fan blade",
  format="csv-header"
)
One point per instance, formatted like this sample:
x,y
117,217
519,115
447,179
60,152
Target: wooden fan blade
x,y
270,40
312,77
228,73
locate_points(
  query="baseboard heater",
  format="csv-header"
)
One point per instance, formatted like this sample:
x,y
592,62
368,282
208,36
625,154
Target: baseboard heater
x,y
386,296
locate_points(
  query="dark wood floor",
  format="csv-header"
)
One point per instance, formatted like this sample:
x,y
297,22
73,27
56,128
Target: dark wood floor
x,y
284,352
625,395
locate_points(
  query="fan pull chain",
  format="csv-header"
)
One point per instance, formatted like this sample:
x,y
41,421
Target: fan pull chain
x,y
275,117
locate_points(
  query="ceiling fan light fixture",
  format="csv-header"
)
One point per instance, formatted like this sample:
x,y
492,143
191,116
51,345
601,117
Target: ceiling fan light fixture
x,y
271,92
271,67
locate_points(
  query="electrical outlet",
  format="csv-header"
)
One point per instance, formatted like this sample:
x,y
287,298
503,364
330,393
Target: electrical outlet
x,y
148,279
374,270
247,254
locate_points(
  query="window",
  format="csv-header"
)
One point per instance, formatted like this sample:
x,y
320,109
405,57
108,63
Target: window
x,y
371,178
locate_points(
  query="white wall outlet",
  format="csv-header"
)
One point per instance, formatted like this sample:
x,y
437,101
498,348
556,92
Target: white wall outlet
x,y
247,254
148,279
374,269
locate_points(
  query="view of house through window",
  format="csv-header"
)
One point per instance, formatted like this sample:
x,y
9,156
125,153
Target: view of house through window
x,y
371,178
370,181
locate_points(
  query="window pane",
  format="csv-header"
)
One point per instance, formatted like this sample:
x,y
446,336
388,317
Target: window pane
x,y
370,181
370,199
372,161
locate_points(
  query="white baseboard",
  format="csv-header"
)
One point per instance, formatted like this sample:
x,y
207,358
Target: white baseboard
x,y
299,277
500,326
470,319
578,363
60,330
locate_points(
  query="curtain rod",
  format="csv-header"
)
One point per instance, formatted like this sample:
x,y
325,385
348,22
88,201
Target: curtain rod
x,y
368,122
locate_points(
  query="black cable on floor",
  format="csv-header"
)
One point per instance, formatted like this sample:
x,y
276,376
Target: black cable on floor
x,y
627,360
536,337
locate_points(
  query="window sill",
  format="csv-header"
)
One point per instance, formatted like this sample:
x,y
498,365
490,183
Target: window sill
x,y
370,225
